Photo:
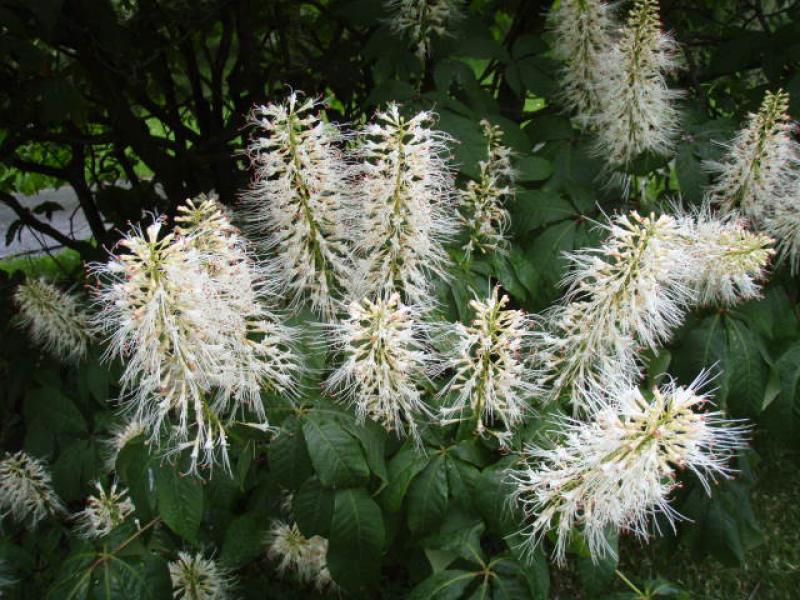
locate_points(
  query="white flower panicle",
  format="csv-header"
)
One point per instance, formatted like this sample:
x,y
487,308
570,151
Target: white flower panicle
x,y
198,578
104,512
582,38
118,439
619,469
384,358
627,293
407,210
26,489
760,166
295,553
297,201
730,261
492,358
636,112
184,312
419,20
635,289
261,347
55,319
759,176
483,212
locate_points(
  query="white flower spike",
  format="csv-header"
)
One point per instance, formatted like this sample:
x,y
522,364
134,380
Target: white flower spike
x,y
582,38
483,212
185,312
198,578
492,358
104,512
619,469
297,202
26,489
297,554
636,112
730,261
55,319
384,361
419,20
407,211
630,292
760,166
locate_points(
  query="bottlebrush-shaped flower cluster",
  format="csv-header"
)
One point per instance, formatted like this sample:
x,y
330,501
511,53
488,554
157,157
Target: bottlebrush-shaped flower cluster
x,y
615,77
758,178
359,227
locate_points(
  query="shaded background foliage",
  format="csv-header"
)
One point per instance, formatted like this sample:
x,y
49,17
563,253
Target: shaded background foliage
x,y
137,105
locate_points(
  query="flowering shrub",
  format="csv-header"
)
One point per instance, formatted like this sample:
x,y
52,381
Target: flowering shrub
x,y
431,352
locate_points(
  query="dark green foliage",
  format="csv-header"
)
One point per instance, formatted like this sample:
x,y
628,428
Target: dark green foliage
x,y
159,98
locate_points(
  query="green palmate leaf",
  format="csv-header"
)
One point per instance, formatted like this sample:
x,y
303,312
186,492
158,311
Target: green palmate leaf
x,y
312,506
444,585
782,416
403,468
427,496
471,148
506,274
357,538
97,380
532,209
244,539
73,577
460,534
723,524
491,493
55,410
691,176
461,477
747,370
373,441
75,469
288,456
337,456
137,470
180,501
596,577
514,580
533,168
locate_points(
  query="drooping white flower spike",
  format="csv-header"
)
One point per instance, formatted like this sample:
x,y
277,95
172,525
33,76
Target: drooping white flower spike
x,y
483,212
188,321
26,489
760,166
297,554
199,578
730,261
407,210
384,361
260,345
297,201
419,20
630,292
54,319
636,108
103,512
619,469
492,358
582,38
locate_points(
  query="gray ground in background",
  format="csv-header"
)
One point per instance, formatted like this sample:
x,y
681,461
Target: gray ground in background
x,y
70,221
